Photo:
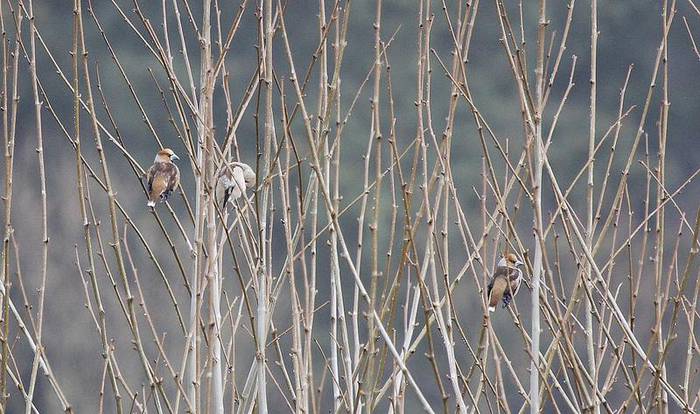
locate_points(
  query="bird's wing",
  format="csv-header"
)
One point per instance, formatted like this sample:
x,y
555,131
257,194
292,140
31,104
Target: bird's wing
x,y
498,287
515,278
173,174
499,282
163,177
513,274
502,271
225,178
234,181
239,179
149,177
222,186
220,189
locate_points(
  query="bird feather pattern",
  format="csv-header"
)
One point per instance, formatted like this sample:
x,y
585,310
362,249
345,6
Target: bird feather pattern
x,y
496,289
163,178
234,179
503,286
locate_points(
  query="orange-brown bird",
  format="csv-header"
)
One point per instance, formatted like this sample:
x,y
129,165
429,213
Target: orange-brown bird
x,y
234,178
505,282
163,176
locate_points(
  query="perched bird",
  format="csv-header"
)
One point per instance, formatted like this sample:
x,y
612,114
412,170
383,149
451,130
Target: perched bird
x,y
163,176
234,178
505,282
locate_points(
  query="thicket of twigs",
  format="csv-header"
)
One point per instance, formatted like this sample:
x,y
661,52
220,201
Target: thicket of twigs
x,y
316,293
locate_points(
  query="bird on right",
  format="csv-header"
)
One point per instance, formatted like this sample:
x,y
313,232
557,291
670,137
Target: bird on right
x,y
505,282
234,178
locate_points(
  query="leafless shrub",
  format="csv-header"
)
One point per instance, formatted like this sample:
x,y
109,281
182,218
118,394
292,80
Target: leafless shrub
x,y
331,287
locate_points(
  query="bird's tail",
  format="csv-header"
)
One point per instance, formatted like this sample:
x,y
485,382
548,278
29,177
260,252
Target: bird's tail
x,y
499,287
152,198
227,194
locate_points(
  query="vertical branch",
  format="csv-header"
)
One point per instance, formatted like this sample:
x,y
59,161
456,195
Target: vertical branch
x,y
367,348
376,141
44,219
215,393
590,350
338,314
300,385
262,265
661,398
537,195
310,288
198,257
9,150
337,308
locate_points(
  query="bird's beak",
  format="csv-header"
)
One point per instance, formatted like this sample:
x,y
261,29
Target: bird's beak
x,y
519,263
174,157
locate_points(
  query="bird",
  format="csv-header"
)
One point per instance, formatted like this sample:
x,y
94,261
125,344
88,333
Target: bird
x,y
505,282
163,177
234,178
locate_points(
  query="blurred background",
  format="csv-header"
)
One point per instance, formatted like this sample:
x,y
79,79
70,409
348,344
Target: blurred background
x,y
630,35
